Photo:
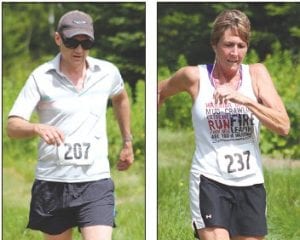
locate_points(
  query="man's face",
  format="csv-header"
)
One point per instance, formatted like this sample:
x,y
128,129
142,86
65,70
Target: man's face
x,y
72,50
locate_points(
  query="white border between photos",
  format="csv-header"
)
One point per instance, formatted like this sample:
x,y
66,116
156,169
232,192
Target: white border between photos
x,y
151,120
1,115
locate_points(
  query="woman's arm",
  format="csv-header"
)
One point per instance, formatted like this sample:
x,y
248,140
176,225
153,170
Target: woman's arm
x,y
185,79
270,110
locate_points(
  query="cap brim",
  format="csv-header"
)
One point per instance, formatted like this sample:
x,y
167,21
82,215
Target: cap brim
x,y
73,32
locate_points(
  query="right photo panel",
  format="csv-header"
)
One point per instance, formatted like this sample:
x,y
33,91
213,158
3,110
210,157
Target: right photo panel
x,y
228,120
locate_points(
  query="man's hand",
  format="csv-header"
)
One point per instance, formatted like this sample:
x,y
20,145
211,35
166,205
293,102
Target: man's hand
x,y
18,127
51,135
126,157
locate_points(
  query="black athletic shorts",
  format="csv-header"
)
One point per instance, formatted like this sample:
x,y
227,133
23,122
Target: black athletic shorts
x,y
240,210
56,206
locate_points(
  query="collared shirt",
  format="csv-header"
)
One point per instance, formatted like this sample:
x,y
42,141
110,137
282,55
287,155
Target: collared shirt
x,y
79,114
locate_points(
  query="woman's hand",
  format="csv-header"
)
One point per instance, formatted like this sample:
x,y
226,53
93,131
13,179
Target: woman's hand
x,y
224,93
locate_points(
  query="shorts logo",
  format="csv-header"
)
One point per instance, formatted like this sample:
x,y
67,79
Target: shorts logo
x,y
207,216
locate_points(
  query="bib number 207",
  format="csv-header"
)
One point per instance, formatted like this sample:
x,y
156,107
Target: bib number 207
x,y
238,161
77,151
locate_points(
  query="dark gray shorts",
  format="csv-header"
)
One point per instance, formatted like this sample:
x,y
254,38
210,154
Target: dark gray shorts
x,y
56,207
240,210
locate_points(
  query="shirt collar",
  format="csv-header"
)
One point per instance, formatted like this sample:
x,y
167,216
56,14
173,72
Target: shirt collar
x,y
54,64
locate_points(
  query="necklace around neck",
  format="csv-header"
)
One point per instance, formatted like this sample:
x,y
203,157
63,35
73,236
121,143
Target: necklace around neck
x,y
213,80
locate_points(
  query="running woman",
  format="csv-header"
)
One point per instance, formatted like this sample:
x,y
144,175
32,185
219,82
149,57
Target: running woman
x,y
230,101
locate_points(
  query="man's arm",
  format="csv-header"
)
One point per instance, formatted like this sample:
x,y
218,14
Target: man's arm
x,y
20,128
121,107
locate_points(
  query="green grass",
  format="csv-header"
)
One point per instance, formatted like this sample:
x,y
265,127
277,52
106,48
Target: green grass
x,y
283,211
17,181
174,159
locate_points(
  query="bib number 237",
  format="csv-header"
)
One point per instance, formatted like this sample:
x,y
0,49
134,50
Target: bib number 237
x,y
236,162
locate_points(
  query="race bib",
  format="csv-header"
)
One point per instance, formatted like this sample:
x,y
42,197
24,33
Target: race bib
x,y
237,161
75,152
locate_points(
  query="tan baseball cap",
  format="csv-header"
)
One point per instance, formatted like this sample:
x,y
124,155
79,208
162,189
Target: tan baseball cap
x,y
76,23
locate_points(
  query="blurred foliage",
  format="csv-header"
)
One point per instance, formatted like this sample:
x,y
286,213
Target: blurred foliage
x,y
275,42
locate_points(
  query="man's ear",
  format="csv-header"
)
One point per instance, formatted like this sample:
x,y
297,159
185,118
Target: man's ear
x,y
57,39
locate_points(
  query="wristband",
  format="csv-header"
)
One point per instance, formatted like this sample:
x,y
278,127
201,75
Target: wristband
x,y
128,138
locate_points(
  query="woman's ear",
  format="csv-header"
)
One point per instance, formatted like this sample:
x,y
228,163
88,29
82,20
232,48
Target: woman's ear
x,y
214,47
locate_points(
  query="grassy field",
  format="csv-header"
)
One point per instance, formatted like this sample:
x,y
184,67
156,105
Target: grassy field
x,y
174,159
17,181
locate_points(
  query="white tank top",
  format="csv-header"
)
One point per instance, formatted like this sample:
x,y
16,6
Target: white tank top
x,y
226,135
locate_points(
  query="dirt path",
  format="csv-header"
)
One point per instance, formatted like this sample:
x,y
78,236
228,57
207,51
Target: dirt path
x,y
280,163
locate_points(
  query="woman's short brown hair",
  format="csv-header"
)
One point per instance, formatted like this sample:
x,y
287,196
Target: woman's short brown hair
x,y
234,19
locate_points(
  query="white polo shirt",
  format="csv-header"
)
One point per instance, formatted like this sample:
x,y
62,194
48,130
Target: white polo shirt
x,y
79,114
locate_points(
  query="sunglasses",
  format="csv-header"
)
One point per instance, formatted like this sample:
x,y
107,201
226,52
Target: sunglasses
x,y
74,43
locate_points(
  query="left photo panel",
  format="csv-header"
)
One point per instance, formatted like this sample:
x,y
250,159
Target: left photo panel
x,y
73,91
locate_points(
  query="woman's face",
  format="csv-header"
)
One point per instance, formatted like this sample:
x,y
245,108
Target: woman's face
x,y
230,50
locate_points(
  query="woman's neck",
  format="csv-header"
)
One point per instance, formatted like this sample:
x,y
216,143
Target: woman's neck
x,y
229,77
